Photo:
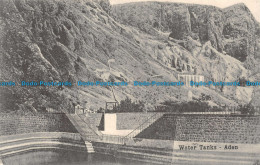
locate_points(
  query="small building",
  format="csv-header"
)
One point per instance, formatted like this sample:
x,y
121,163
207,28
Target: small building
x,y
187,78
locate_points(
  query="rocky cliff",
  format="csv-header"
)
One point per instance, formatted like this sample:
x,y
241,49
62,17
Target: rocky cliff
x,y
233,29
64,40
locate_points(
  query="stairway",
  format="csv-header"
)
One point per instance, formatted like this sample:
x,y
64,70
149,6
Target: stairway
x,y
150,155
89,147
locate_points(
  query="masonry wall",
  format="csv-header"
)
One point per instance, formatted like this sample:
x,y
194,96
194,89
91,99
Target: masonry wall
x,y
218,128
17,124
128,121
205,128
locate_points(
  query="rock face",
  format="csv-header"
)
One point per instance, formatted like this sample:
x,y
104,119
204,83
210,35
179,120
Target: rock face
x,y
85,40
44,41
105,5
232,29
208,23
240,34
180,17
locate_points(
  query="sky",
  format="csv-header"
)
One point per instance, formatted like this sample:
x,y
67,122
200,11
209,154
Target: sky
x,y
253,5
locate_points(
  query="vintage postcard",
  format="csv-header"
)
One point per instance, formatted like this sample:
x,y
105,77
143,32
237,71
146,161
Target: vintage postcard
x,y
126,82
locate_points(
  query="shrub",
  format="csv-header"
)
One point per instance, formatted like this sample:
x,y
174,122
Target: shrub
x,y
246,109
128,105
191,106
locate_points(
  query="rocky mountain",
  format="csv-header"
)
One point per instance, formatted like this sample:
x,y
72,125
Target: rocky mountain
x,y
231,29
64,40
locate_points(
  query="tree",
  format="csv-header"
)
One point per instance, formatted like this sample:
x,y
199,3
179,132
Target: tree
x,y
128,105
242,81
191,106
247,109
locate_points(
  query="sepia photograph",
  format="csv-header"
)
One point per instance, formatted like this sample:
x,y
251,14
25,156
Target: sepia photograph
x,y
129,82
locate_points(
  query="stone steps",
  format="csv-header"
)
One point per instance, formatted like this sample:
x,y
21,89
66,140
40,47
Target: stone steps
x,y
145,150
196,158
39,141
168,156
35,148
89,147
145,157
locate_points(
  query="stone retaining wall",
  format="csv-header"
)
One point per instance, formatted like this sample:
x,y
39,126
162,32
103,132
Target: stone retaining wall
x,y
17,124
205,128
218,128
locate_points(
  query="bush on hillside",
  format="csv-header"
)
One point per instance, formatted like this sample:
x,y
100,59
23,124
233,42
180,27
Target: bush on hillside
x,y
128,105
191,106
246,109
